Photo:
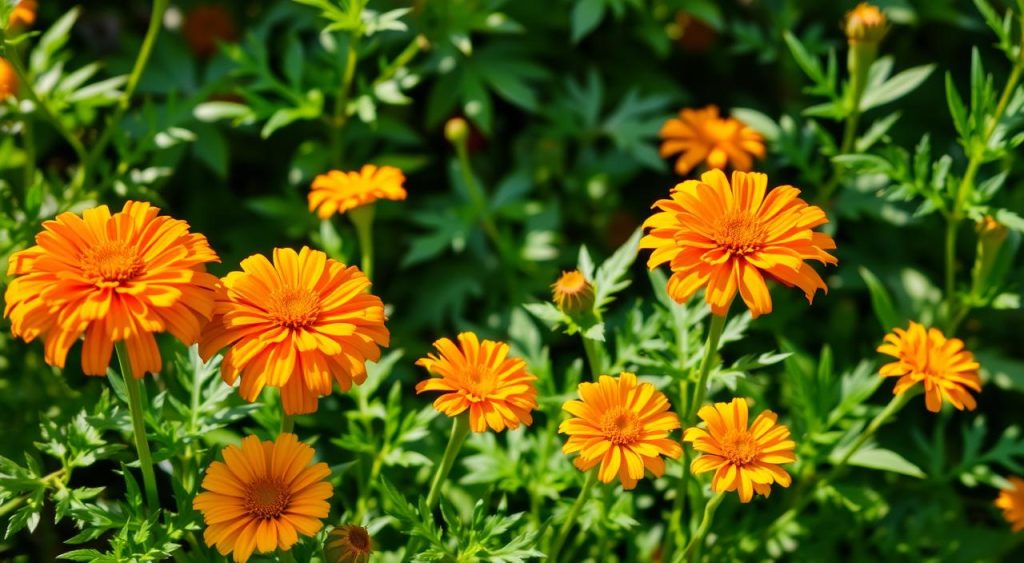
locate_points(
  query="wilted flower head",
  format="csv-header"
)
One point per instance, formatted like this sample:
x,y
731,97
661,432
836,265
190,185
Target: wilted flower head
x,y
865,24
1011,501
572,293
338,192
941,365
348,544
702,136
8,80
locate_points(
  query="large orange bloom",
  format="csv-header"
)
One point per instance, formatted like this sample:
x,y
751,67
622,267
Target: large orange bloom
x,y
112,278
479,376
337,191
24,14
942,365
263,496
1011,500
728,237
701,135
293,325
743,459
621,425
8,80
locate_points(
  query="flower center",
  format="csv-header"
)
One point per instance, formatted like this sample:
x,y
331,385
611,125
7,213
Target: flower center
x,y
267,499
479,384
740,447
620,426
294,307
740,233
112,262
358,538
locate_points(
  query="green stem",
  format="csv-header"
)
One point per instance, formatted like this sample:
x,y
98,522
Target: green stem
x,y
460,430
705,525
952,226
362,218
570,517
341,102
710,351
58,479
285,556
897,403
477,196
138,426
287,423
593,351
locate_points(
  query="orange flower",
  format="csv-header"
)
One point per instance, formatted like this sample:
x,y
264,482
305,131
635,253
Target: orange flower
x,y
207,26
701,135
622,425
293,325
337,192
865,24
348,544
263,496
479,376
727,238
8,80
942,365
1011,500
119,277
572,293
24,14
743,459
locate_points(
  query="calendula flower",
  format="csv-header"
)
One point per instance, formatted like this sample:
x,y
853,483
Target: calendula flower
x,y
572,293
621,425
24,14
1011,500
295,324
112,278
730,237
702,136
337,192
926,356
8,80
206,26
865,24
481,377
263,496
743,459
348,544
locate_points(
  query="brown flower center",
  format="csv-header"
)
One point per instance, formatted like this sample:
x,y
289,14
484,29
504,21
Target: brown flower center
x,y
267,499
294,307
740,447
112,262
621,426
479,384
359,538
740,233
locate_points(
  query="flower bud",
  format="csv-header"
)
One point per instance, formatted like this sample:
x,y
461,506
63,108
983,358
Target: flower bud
x,y
573,294
988,271
456,130
8,80
865,24
348,544
23,15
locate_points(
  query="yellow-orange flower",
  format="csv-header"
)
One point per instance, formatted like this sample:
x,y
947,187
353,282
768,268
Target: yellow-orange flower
x,y
572,293
622,425
8,80
744,459
702,136
865,24
481,377
728,237
337,191
24,14
348,544
263,496
942,365
293,325
119,277
1011,500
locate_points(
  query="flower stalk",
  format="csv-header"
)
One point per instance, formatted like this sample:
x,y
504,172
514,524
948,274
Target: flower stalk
x,y
362,219
690,553
460,431
570,517
138,426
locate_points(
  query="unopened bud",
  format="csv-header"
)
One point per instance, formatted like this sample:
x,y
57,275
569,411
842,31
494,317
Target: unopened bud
x,y
573,294
865,24
456,130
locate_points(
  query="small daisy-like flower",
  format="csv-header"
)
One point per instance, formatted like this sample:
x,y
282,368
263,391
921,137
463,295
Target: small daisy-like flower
x,y
572,293
263,496
297,324
8,80
1011,501
744,459
702,136
338,192
24,14
206,26
348,544
865,24
479,376
926,356
729,237
621,425
111,278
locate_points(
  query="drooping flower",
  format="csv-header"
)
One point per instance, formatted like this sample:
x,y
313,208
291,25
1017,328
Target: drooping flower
x,y
338,192
481,377
572,293
119,277
729,237
942,365
744,459
621,425
865,24
8,80
1011,501
348,544
295,324
206,26
263,496
702,136
24,14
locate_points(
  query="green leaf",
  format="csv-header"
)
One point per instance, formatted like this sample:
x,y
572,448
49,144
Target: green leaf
x,y
956,108
881,302
609,277
885,460
586,16
807,63
896,87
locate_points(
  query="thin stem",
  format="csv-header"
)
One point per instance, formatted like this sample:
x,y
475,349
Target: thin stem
x,y
710,350
593,351
477,196
138,426
952,225
460,430
287,423
859,60
341,102
705,525
570,517
881,418
362,218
